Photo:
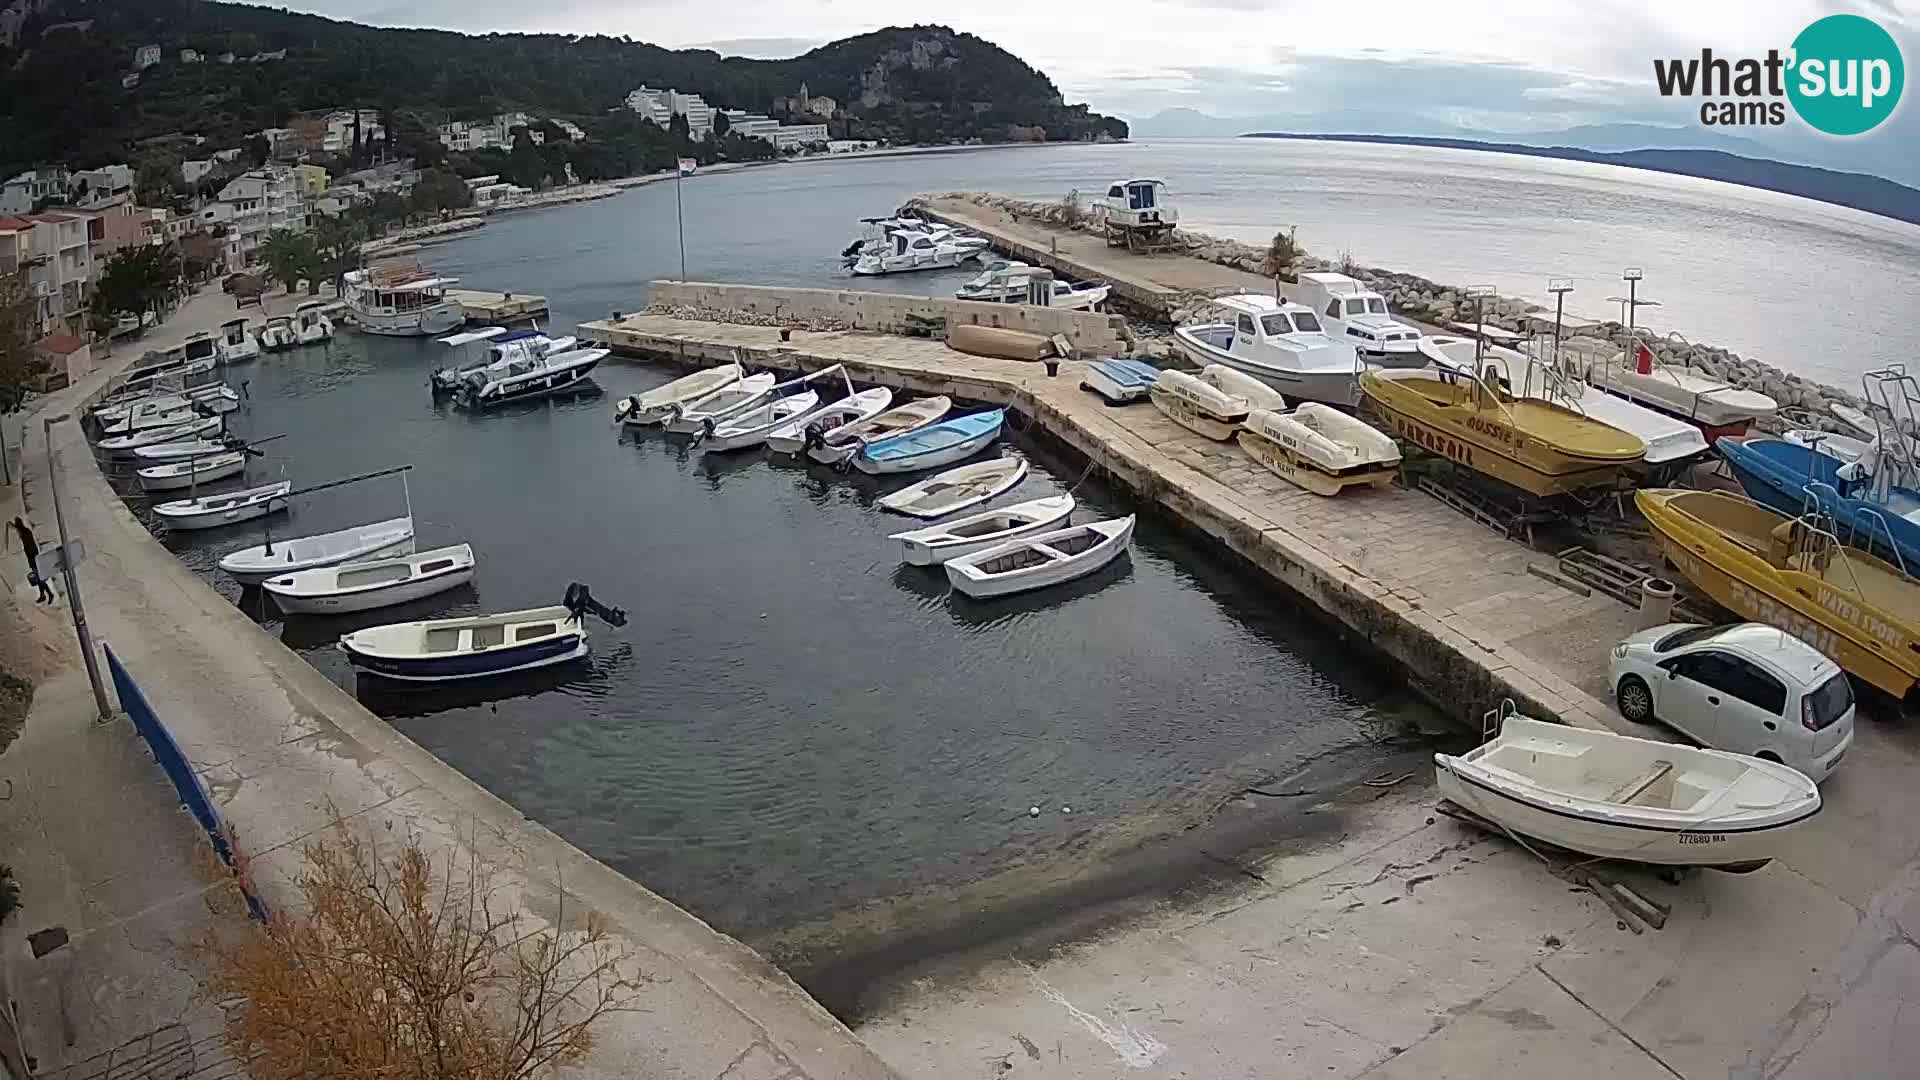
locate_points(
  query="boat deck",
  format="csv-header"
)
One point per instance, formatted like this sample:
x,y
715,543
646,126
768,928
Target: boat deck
x,y
1451,601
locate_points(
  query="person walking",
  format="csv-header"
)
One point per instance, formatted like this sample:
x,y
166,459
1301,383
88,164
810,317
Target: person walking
x,y
31,547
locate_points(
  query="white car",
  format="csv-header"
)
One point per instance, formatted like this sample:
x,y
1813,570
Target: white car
x,y
1745,688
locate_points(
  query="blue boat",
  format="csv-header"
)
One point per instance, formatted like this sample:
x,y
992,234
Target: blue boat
x,y
932,446
1120,381
1788,477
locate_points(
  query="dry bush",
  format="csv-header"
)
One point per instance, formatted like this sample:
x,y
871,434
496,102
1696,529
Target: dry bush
x,y
1281,254
396,972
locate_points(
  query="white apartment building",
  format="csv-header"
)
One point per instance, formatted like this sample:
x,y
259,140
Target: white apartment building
x,y
103,184
251,206
797,136
497,133
751,125
339,134
145,57
661,106
18,195
651,105
53,249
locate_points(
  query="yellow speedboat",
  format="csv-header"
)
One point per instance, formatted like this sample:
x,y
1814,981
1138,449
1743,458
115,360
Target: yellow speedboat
x,y
1794,573
1535,445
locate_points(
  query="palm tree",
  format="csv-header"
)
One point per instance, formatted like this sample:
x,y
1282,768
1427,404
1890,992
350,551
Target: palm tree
x,y
289,256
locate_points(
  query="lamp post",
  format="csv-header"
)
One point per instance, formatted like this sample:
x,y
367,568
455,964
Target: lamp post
x,y
1632,275
66,569
1559,287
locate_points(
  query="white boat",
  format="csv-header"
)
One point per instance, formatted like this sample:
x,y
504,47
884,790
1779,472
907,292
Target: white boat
x,y
170,410
935,544
956,489
442,650
1015,283
953,439
751,427
1717,406
734,397
879,231
236,345
371,541
995,283
1238,384
1281,344
654,406
278,334
125,445
502,345
174,475
841,443
792,437
178,451
1040,560
1616,797
1119,381
1358,315
1320,448
905,250
209,511
523,376
404,302
1200,407
162,366
375,583
310,323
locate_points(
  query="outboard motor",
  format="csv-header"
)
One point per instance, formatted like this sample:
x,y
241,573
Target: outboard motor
x,y
579,601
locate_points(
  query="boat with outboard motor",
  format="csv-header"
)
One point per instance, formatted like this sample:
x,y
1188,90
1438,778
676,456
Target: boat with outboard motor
x,y
833,446
497,343
446,650
653,406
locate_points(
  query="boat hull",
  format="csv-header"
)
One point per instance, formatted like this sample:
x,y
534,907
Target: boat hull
x,y
213,519
1190,416
931,459
425,322
1303,472
917,551
1119,382
987,480
1327,387
1793,479
545,653
652,408
400,545
553,382
183,480
1058,572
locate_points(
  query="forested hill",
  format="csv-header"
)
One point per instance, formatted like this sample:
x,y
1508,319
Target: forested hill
x,y
62,98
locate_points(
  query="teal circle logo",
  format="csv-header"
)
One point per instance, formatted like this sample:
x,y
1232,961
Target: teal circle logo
x,y
1847,75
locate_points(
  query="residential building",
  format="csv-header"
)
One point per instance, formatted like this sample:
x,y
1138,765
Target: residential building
x,y
251,206
145,57
18,249
332,133
115,224
498,194
699,114
574,133
310,180
130,80
283,144
264,57
651,105
823,107
751,125
397,176
192,172
20,194
805,104
96,187
68,358
849,146
225,58
228,156
470,135
799,136
189,56
53,249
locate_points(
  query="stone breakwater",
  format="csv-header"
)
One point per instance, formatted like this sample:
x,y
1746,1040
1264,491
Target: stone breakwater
x,y
745,318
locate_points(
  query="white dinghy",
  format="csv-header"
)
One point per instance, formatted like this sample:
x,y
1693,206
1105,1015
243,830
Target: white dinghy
x,y
1240,384
210,511
653,406
363,586
1320,448
1040,560
751,428
186,473
371,541
689,417
935,544
179,451
125,445
841,443
1617,797
791,437
444,650
956,489
1200,407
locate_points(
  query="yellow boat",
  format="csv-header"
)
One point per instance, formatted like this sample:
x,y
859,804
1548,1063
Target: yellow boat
x,y
1534,445
1793,573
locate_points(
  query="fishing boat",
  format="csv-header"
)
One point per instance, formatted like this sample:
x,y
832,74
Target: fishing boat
x,y
751,427
686,418
170,410
445,650
310,323
1018,283
1200,407
1617,797
192,471
236,345
401,302
1238,384
1352,312
1791,571
125,445
371,541
1536,446
1282,344
158,367
210,511
1320,448
178,451
792,437
839,444
278,334
932,446
935,544
1875,512
375,583
525,376
957,489
1040,560
1120,381
1716,406
653,406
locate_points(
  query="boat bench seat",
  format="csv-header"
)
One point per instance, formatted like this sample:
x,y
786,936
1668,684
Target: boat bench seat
x,y
1642,784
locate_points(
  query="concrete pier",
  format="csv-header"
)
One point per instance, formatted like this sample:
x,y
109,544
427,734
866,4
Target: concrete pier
x,y
499,308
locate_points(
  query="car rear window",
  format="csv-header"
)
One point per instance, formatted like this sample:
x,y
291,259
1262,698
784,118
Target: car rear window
x,y
1830,701
1687,636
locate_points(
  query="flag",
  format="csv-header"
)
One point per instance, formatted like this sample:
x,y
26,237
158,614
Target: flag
x,y
687,165
1643,360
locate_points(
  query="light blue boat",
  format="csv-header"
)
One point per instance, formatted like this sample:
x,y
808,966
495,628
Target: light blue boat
x,y
1120,381
932,446
1794,479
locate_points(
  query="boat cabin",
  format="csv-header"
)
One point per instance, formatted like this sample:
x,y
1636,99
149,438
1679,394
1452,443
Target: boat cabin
x,y
1350,310
310,314
1254,324
199,347
233,332
1139,203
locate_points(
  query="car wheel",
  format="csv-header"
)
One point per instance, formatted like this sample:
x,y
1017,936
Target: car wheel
x,y
1635,699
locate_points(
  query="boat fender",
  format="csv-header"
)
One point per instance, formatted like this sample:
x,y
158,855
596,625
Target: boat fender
x,y
579,601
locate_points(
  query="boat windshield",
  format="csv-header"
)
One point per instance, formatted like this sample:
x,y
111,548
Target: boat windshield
x,y
1303,321
1376,306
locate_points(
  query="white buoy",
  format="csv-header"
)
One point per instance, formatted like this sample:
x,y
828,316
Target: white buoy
x,y
1033,811
1066,809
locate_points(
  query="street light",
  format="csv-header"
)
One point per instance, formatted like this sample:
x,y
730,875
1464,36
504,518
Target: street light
x,y
66,569
1559,287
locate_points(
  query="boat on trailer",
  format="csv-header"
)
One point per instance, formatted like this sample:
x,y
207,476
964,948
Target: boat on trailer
x,y
792,437
957,489
935,544
655,405
1717,407
838,444
370,541
1119,381
447,650
228,508
930,447
1320,448
1040,560
1280,343
375,583
1200,407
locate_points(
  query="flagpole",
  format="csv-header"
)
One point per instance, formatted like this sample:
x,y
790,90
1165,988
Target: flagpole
x,y
679,218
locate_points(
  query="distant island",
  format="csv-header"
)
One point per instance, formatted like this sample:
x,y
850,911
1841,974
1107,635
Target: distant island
x,y
1857,191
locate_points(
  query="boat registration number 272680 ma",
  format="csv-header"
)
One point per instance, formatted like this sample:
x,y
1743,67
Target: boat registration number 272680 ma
x,y
1702,838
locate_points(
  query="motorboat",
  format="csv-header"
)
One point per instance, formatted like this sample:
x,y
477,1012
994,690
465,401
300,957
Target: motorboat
x,y
401,302
236,345
125,445
686,418
996,283
1137,214
792,437
1040,560
930,447
1358,315
1238,384
371,541
1617,797
1791,571
654,406
373,583
1118,381
935,544
310,323
278,334
192,471
446,650
210,511
1536,446
523,377
957,489
170,410
1716,406
905,250
1281,344
879,230
502,344
1200,407
180,451
838,444
156,368
1320,448
1875,513
751,427
1018,283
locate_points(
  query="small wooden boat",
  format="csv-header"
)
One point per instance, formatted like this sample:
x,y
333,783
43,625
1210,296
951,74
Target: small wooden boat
x,y
174,475
653,406
371,541
168,410
791,437
1040,560
125,445
935,544
1320,448
210,511
1616,797
444,650
377,583
956,489
1120,381
734,397
1795,574
179,451
930,447
751,427
1000,342
1235,383
839,444
1537,446
1200,407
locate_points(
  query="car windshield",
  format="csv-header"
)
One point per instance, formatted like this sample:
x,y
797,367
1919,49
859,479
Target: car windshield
x,y
1689,635
1830,701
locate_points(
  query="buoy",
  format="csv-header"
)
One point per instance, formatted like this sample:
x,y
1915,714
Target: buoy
x,y
1033,811
1066,809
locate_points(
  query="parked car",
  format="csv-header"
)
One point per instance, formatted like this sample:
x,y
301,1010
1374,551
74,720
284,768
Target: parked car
x,y
1746,688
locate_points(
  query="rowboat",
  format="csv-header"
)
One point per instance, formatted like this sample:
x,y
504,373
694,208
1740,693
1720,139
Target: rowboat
x,y
734,397
1120,381
653,406
125,445
935,544
1320,448
791,437
371,541
1200,407
175,475
1240,384
444,650
839,444
177,451
1617,797
1040,560
932,446
209,511
1793,573
1792,478
751,427
957,489
376,583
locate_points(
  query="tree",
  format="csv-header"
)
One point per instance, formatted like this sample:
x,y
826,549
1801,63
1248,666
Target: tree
x,y
359,151
721,125
18,330
289,256
524,166
138,280
153,183
336,249
1281,254
440,189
